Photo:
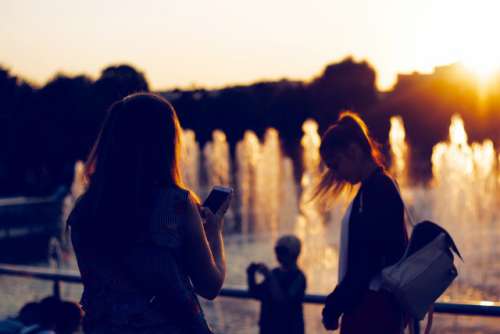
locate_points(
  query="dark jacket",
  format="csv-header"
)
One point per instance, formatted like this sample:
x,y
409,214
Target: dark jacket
x,y
377,239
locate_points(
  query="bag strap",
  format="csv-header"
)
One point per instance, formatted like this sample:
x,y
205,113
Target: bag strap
x,y
408,214
412,222
453,246
430,316
428,325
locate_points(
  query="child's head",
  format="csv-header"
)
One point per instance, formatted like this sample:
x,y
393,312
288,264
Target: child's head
x,y
346,148
70,318
30,314
49,312
287,250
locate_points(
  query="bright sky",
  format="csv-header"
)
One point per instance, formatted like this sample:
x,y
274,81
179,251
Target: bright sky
x,y
178,43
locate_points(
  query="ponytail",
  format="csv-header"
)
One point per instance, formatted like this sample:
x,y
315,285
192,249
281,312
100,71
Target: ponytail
x,y
349,129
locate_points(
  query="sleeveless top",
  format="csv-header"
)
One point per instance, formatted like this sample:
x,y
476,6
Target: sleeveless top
x,y
147,288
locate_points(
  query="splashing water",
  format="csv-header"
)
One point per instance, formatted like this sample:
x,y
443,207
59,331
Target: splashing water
x,y
247,156
266,187
463,197
288,206
465,201
190,160
217,160
77,189
317,252
268,182
399,150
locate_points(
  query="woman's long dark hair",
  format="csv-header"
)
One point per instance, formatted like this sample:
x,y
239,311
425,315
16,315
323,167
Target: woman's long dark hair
x,y
348,129
136,152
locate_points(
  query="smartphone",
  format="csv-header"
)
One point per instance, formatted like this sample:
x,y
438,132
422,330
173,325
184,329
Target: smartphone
x,y
217,197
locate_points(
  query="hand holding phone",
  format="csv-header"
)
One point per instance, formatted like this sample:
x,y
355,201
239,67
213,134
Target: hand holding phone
x,y
218,199
216,205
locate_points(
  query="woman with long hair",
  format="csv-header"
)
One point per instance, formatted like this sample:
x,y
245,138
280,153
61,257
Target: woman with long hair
x,y
143,249
373,232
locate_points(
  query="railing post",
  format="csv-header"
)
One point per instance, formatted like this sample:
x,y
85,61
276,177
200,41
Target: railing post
x,y
56,289
416,326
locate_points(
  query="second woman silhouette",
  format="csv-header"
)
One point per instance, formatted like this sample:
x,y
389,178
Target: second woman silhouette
x,y
373,233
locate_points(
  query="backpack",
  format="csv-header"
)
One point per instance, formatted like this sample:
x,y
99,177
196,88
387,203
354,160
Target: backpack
x,y
424,272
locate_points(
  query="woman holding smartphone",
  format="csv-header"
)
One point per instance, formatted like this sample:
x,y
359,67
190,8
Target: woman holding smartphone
x,y
373,232
145,247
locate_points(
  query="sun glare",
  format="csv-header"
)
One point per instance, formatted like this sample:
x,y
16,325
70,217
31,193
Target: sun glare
x,y
482,58
463,31
478,29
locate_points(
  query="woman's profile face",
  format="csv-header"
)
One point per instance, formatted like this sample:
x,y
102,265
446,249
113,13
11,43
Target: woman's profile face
x,y
345,164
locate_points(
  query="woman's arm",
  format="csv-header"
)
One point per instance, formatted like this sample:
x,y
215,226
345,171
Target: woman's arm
x,y
204,250
349,292
155,269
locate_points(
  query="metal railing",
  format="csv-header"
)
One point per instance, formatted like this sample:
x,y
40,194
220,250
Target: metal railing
x,y
56,197
31,216
55,275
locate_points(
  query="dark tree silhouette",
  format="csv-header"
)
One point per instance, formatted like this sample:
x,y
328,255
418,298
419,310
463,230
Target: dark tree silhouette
x,y
117,82
427,103
66,124
16,102
43,131
345,85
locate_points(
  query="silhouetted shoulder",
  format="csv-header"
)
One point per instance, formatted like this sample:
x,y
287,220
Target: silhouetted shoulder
x,y
381,184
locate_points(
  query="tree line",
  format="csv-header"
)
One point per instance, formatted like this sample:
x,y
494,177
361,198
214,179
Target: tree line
x,y
44,130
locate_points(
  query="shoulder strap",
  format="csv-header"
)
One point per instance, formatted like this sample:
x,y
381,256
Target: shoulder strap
x,y
453,246
428,325
430,316
412,222
411,219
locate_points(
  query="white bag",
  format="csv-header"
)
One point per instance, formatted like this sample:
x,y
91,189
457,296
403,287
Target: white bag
x,y
422,274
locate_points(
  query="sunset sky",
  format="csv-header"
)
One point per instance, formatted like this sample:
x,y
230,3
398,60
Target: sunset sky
x,y
220,42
